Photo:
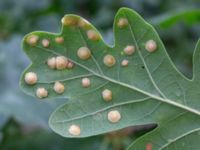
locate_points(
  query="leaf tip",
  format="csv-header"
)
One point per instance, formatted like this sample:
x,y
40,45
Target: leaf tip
x,y
69,20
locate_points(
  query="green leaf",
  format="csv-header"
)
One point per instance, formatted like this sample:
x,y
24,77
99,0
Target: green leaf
x,y
149,90
166,20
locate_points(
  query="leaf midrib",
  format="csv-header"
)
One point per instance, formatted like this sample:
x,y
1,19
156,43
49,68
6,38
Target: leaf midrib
x,y
168,101
165,100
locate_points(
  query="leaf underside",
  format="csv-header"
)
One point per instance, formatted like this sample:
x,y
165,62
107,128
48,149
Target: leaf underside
x,y
149,90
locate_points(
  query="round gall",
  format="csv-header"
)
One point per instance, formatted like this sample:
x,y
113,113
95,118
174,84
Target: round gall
x,y
69,20
107,95
151,46
129,50
84,53
93,35
124,62
70,65
45,43
109,60
59,40
61,62
85,82
41,92
32,40
59,87
51,62
114,116
30,78
123,22
74,130
83,23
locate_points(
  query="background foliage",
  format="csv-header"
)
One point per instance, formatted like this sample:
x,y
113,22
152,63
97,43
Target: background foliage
x,y
23,120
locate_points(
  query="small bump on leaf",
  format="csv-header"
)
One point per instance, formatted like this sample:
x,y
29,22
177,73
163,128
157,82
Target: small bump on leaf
x,y
45,43
61,62
124,62
74,130
32,40
59,87
109,60
93,35
114,116
70,65
151,46
69,20
122,22
84,53
129,50
107,95
59,40
149,146
31,78
82,23
51,62
41,92
85,82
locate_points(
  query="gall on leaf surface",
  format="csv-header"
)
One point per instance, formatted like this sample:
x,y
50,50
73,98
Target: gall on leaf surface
x,y
148,90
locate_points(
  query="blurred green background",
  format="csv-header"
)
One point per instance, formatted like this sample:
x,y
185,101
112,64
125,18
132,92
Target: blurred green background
x,y
23,119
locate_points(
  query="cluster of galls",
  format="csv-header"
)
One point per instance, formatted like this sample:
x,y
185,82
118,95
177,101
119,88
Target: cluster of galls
x,y
74,21
84,53
41,92
32,40
59,63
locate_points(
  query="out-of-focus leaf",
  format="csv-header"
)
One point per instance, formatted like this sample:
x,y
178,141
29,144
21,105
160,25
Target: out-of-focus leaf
x,y
187,16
